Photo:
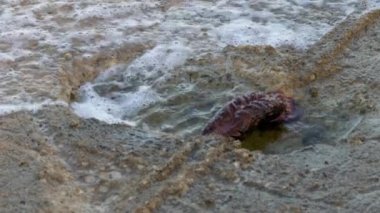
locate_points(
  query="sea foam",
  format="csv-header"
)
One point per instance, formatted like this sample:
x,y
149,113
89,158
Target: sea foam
x,y
34,34
193,28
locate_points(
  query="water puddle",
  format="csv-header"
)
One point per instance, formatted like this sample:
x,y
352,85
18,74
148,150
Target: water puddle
x,y
309,131
260,139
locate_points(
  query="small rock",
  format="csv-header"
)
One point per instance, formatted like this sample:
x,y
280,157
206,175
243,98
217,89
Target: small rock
x,y
314,186
74,124
356,141
79,191
209,203
313,92
23,163
312,77
237,164
115,175
68,56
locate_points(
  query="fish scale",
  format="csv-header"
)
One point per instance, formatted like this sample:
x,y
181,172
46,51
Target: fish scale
x,y
247,112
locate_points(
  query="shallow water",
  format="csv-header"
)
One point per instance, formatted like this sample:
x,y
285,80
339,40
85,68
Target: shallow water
x,y
309,131
166,90
178,84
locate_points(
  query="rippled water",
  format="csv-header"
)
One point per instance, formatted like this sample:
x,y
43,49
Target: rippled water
x,y
167,89
307,132
178,84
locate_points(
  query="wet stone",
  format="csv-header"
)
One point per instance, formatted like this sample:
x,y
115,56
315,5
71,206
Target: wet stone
x,y
115,175
313,92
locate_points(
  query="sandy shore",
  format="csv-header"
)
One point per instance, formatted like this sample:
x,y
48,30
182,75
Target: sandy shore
x,y
53,161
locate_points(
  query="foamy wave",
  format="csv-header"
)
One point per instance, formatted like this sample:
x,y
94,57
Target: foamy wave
x,y
120,108
34,107
35,34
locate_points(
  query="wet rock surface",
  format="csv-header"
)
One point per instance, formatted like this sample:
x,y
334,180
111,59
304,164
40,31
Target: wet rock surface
x,y
53,161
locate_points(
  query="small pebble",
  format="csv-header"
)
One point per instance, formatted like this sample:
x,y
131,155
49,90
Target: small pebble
x,y
115,175
313,92
312,77
68,56
237,164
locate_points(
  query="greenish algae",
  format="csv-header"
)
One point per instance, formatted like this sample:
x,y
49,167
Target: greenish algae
x,y
259,139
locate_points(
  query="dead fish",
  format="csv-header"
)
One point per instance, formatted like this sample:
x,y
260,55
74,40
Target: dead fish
x,y
249,111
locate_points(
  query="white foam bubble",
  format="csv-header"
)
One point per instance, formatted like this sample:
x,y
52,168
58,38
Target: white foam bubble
x,y
120,109
371,4
159,60
27,106
196,27
245,32
40,32
282,22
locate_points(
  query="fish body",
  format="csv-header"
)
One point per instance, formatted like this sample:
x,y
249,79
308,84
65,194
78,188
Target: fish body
x,y
246,112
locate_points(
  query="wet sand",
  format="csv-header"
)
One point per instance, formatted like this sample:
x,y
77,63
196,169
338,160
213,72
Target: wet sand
x,y
53,161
